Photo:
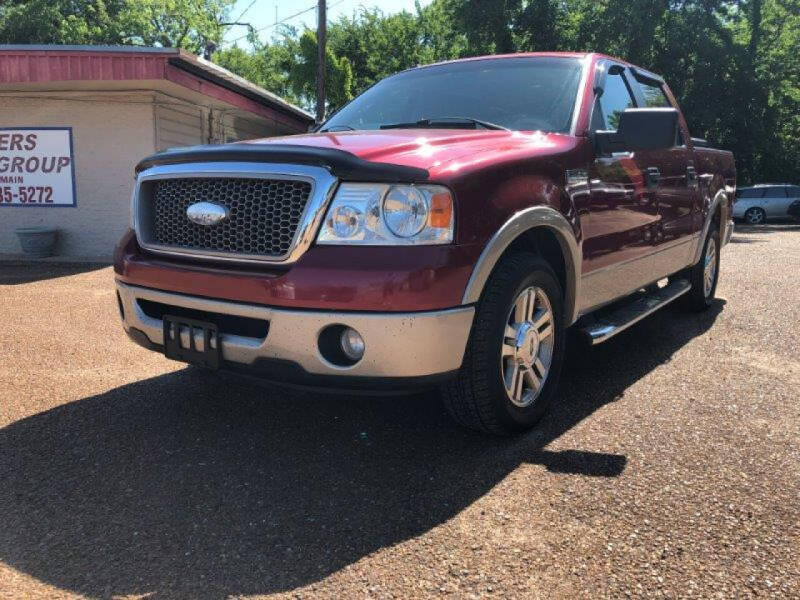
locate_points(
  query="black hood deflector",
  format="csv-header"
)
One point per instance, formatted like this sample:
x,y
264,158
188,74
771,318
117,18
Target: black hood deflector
x,y
344,165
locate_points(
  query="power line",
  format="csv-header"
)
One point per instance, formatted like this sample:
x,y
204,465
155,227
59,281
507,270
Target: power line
x,y
284,20
275,24
244,12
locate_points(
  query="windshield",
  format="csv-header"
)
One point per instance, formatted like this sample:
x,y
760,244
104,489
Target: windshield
x,y
527,94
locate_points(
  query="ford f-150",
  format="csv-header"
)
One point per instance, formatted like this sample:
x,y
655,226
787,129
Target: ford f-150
x,y
445,228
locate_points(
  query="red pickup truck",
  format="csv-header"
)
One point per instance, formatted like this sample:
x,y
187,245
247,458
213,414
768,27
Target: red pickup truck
x,y
444,228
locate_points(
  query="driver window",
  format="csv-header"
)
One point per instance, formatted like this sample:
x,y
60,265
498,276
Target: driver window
x,y
615,99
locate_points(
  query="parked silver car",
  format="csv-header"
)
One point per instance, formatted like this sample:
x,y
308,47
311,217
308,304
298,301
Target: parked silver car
x,y
756,204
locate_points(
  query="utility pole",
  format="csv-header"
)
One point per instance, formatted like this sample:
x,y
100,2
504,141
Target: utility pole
x,y
321,40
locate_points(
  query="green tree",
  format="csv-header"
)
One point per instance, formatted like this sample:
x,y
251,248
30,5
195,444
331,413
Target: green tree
x,y
60,22
733,64
301,65
197,25
378,45
487,24
441,40
265,65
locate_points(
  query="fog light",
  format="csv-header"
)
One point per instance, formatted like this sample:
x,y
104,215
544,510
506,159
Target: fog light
x,y
352,344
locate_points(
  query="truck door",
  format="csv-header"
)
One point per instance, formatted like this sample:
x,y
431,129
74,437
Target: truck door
x,y
619,214
674,178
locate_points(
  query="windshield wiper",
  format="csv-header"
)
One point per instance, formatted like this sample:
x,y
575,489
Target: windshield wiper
x,y
334,128
446,123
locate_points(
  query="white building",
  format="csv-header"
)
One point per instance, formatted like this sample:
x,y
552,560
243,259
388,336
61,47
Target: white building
x,y
117,104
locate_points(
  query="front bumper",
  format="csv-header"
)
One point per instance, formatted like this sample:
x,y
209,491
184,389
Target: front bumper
x,y
397,345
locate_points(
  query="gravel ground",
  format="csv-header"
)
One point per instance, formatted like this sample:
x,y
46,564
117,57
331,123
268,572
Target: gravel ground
x,y
671,468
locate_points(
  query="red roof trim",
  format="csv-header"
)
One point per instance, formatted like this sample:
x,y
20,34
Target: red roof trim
x,y
38,66
34,66
207,88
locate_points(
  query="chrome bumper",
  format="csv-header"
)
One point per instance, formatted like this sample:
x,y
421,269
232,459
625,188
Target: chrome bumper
x,y
396,344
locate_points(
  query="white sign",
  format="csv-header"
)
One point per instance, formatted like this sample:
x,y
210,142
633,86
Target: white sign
x,y
37,167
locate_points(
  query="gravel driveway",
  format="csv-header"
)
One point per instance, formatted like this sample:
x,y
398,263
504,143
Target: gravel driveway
x,y
670,468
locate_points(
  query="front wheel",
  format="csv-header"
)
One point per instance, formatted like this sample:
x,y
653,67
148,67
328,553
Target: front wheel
x,y
515,352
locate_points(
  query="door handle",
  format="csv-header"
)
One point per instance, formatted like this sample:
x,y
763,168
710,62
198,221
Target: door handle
x,y
653,175
691,176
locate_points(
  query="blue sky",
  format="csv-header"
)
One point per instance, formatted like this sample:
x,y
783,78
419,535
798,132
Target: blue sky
x,y
262,13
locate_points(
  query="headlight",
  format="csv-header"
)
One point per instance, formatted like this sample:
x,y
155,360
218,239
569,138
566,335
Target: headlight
x,y
405,211
373,214
345,221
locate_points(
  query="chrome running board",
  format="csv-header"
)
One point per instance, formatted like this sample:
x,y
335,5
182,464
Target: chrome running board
x,y
609,324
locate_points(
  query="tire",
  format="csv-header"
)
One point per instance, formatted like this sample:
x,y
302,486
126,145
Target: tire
x,y
704,288
477,398
755,216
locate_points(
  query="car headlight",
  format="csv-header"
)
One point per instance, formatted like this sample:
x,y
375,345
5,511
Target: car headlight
x,y
374,214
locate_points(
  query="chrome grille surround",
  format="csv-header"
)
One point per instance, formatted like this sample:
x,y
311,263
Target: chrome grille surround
x,y
296,225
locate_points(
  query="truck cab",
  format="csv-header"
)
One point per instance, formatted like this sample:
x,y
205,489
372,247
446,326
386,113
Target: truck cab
x,y
444,229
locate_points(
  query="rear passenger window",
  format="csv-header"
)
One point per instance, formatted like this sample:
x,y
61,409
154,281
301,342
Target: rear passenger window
x,y
610,106
793,191
750,193
654,96
775,192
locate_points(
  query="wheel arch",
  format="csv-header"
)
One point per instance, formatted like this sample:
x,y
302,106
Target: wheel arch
x,y
718,210
536,227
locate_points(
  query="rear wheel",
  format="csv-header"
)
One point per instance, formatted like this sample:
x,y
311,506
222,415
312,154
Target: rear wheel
x,y
755,216
515,352
704,275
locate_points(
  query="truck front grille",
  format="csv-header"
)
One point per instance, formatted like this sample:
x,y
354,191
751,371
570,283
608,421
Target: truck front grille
x,y
264,215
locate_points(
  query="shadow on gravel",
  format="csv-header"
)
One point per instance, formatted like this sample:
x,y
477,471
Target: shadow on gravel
x,y
16,273
193,486
738,239
767,228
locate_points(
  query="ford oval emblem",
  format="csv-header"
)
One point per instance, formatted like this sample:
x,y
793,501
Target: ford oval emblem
x,y
207,213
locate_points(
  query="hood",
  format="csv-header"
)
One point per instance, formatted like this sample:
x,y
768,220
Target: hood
x,y
441,152
390,155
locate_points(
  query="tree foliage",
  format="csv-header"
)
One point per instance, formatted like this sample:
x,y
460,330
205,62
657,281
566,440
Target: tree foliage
x,y
288,67
60,21
265,66
302,69
197,25
733,64
378,45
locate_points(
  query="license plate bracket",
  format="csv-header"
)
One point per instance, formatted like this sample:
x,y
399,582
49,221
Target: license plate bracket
x,y
208,356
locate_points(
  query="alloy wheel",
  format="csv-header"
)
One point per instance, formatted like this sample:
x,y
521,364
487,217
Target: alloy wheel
x,y
527,350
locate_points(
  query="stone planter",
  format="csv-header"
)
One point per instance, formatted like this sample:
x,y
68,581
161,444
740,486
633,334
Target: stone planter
x,y
37,242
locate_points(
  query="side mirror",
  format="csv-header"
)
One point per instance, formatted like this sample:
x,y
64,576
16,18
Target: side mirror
x,y
640,129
